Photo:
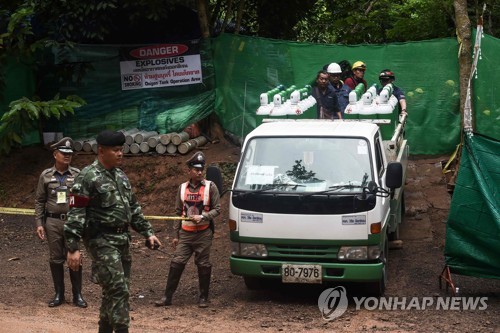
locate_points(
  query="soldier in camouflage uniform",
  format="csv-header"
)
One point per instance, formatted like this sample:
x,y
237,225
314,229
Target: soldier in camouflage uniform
x,y
199,200
51,207
102,207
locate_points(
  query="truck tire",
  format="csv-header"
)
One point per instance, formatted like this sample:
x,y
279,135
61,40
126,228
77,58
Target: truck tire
x,y
402,212
377,288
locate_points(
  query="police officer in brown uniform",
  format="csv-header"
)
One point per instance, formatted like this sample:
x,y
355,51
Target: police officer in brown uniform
x,y
51,206
199,200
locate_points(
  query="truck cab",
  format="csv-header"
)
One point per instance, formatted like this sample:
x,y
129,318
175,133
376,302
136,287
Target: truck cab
x,y
315,201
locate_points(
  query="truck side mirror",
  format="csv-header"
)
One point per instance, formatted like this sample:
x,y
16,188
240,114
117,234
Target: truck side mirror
x,y
214,174
394,175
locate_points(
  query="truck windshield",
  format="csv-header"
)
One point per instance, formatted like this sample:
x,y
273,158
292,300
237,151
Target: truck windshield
x,y
314,164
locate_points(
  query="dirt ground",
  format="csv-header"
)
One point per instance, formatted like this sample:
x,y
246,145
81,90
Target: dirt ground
x,y
26,287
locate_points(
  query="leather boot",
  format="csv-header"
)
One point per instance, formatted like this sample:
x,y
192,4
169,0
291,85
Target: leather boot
x,y
105,326
204,275
57,271
122,330
76,283
174,276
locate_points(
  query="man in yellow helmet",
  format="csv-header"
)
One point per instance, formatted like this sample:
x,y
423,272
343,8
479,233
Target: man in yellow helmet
x,y
358,73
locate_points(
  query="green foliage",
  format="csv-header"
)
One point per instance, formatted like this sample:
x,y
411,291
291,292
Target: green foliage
x,y
382,21
24,114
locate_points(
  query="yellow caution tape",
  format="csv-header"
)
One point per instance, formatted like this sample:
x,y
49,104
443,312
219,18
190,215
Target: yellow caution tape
x,y
27,211
17,211
167,218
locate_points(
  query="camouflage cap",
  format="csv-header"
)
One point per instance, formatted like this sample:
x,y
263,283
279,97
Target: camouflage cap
x,y
65,145
197,160
110,138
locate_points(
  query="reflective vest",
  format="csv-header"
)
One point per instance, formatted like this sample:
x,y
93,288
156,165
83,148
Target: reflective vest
x,y
193,203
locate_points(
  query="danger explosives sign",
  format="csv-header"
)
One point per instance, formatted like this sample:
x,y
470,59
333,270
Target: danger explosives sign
x,y
161,65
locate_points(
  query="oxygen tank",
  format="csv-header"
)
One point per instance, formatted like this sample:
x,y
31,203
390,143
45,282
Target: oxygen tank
x,y
281,97
268,95
300,94
386,93
356,93
369,95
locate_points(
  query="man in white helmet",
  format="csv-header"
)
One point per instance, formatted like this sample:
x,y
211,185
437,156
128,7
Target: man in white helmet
x,y
341,89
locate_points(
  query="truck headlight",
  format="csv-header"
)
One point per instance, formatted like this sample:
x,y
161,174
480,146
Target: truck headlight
x,y
359,252
248,250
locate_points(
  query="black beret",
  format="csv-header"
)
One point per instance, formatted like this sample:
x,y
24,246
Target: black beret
x,y
197,160
110,138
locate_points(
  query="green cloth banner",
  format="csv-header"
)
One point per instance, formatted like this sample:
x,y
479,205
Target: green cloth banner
x,y
473,227
237,69
427,71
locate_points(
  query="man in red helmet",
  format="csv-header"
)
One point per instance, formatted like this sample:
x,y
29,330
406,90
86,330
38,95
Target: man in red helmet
x,y
386,76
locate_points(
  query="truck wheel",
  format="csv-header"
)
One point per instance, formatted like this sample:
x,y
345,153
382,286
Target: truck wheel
x,y
402,212
253,283
377,288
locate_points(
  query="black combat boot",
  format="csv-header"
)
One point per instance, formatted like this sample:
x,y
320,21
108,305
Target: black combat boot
x,y
204,275
174,276
121,330
57,271
105,326
76,283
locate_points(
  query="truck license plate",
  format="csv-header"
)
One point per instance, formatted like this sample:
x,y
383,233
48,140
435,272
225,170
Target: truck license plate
x,y
301,273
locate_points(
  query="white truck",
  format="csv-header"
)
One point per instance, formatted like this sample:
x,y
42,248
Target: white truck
x,y
317,201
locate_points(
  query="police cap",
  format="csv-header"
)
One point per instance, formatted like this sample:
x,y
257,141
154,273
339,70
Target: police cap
x,y
65,145
110,138
197,160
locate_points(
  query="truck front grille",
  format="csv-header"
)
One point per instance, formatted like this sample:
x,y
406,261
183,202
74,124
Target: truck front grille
x,y
302,253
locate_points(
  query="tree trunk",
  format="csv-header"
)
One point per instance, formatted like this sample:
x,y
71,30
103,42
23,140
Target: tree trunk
x,y
465,48
203,18
241,8
227,15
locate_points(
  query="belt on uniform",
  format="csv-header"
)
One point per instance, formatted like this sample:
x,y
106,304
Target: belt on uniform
x,y
62,217
113,230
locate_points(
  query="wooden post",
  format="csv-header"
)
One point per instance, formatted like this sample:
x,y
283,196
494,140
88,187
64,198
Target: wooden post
x,y
134,148
141,136
171,148
189,145
87,146
153,141
179,138
165,138
161,148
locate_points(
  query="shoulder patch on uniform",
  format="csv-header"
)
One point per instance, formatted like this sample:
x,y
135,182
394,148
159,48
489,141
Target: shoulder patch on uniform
x,y
47,171
78,201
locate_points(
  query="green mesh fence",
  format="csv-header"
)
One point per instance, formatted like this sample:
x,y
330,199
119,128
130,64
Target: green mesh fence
x,y
427,71
486,98
473,227
19,82
166,109
237,69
